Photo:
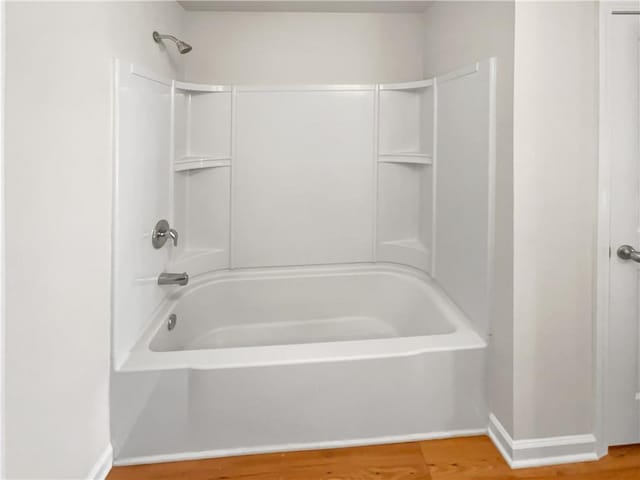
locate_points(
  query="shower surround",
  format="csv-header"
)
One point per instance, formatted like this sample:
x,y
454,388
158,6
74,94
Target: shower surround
x,y
339,242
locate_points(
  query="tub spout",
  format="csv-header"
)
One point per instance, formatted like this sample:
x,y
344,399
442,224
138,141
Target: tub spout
x,y
173,278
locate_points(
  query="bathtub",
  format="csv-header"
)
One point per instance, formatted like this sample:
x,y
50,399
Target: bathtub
x,y
264,360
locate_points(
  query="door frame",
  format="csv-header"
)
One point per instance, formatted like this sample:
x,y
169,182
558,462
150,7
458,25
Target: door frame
x,y
601,304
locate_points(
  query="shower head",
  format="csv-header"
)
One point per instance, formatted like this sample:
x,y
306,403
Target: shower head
x,y
183,47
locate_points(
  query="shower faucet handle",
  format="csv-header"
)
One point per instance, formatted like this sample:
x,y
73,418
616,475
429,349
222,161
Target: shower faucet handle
x,y
161,232
173,234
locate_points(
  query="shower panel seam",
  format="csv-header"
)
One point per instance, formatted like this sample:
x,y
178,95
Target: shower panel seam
x,y
232,190
376,142
434,179
233,156
172,155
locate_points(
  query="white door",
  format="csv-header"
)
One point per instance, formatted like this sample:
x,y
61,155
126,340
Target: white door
x,y
621,107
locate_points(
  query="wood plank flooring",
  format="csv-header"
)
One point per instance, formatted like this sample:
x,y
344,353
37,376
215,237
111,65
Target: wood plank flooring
x,y
451,459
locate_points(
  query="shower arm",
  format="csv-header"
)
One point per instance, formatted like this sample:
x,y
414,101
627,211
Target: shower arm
x,y
164,36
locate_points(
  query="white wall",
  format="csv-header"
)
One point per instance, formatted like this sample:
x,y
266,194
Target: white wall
x,y
555,166
456,34
58,199
268,48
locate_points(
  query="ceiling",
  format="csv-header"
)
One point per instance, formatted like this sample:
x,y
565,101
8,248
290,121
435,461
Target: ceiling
x,y
381,6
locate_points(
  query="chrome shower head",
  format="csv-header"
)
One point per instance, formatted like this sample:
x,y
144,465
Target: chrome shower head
x,y
183,47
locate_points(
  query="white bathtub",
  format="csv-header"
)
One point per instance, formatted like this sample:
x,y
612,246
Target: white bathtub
x,y
282,359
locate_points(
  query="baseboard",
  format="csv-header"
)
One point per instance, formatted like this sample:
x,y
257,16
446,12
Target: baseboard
x,y
537,452
103,465
517,453
233,452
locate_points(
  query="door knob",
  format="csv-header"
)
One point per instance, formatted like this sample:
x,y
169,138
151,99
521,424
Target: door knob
x,y
627,252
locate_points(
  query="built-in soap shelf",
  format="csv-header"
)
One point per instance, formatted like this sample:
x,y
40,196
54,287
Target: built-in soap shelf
x,y
196,162
417,85
202,159
412,158
201,211
410,243
201,87
405,123
405,186
409,251
202,126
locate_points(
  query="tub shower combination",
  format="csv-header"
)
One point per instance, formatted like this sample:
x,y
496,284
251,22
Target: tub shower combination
x,y
299,266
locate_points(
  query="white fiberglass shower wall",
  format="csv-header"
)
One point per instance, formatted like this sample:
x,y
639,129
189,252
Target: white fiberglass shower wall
x,y
323,226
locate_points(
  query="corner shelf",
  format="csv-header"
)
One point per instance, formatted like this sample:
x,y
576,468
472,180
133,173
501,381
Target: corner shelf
x,y
406,116
412,158
196,162
407,85
409,251
412,243
405,122
199,87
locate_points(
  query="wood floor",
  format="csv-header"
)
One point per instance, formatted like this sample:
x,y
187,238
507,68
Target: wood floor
x,y
452,459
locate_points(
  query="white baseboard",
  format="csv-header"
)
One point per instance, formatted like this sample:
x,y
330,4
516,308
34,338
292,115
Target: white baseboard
x,y
102,467
291,447
537,452
517,453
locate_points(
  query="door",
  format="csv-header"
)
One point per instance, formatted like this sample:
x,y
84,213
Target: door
x,y
621,106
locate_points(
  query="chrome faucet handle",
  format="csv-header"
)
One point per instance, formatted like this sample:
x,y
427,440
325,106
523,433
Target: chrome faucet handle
x,y
161,232
173,234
